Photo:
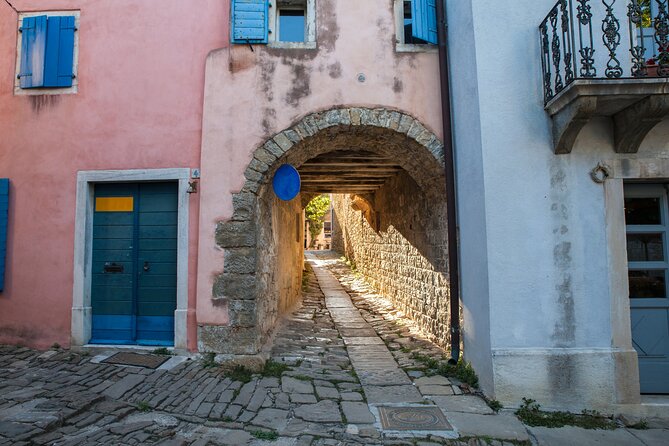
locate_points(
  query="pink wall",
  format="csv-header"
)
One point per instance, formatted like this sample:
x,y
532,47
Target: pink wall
x,y
250,96
139,105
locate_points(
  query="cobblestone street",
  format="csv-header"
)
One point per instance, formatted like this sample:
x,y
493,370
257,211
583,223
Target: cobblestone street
x,y
346,369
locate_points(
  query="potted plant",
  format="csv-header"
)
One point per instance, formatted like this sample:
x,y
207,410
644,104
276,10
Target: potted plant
x,y
653,64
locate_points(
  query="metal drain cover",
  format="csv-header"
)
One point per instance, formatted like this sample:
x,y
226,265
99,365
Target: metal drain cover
x,y
425,418
136,359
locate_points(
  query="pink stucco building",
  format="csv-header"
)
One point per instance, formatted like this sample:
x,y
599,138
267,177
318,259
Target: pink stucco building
x,y
136,104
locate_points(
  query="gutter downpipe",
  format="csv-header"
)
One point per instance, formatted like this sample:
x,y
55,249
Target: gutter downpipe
x,y
449,171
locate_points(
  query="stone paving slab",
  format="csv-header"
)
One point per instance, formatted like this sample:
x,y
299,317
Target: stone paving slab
x,y
570,435
462,403
392,394
652,436
501,426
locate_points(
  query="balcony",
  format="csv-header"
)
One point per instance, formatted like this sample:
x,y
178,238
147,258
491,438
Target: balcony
x,y
606,58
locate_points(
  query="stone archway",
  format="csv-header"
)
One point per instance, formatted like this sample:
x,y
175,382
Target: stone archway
x,y
246,238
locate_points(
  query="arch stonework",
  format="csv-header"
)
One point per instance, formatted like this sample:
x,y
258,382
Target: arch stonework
x,y
382,130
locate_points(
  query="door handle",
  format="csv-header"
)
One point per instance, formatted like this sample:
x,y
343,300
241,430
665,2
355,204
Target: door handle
x,y
146,266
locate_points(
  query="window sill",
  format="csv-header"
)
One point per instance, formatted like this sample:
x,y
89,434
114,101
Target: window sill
x,y
18,91
415,48
293,45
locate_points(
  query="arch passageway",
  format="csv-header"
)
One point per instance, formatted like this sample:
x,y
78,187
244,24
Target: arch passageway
x,y
384,171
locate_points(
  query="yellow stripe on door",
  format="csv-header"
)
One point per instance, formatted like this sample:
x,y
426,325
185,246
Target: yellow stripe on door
x,y
114,204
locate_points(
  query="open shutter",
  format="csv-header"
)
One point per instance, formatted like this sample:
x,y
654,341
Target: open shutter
x,y
4,206
33,47
59,52
424,14
249,21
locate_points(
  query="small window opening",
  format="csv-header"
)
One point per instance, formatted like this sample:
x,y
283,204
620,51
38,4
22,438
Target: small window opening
x,y
408,25
292,25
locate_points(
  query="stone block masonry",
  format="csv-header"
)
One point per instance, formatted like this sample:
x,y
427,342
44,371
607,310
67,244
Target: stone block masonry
x,y
397,239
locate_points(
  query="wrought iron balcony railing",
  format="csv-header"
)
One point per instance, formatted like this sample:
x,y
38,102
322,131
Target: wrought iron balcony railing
x,y
584,39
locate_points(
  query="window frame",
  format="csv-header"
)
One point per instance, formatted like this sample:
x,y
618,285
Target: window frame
x,y
650,191
75,56
400,45
309,24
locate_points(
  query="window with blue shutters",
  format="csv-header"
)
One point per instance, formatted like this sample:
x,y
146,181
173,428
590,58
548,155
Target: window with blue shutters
x,y
4,213
250,23
416,22
47,50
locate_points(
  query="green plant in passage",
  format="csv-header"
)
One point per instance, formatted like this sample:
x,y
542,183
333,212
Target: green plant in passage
x,y
314,212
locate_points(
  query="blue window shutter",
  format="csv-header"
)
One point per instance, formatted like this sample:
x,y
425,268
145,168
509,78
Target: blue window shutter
x,y
59,52
424,14
33,47
249,21
4,206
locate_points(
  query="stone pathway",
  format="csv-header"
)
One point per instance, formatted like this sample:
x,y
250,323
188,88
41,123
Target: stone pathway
x,y
341,362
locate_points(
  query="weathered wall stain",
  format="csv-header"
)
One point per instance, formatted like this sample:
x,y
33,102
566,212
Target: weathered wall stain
x,y
241,58
328,28
43,101
300,85
334,70
562,373
398,85
564,331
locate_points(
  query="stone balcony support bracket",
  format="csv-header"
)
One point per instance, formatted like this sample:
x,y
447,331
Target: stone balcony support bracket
x,y
634,105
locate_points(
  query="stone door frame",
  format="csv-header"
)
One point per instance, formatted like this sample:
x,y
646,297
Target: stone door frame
x,y
82,310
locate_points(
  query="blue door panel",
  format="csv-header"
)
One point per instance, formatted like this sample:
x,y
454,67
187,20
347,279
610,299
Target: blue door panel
x,y
112,329
110,255
105,293
114,244
158,244
157,217
113,232
157,232
155,294
138,293
155,330
114,219
159,269
112,280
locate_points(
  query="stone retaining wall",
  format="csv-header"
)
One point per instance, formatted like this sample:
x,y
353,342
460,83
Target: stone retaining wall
x,y
397,239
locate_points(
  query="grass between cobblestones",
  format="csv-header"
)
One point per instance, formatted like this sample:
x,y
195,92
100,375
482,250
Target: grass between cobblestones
x,y
463,370
274,369
265,435
531,414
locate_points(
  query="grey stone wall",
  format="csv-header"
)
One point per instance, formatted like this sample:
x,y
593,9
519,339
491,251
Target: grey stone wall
x,y
397,239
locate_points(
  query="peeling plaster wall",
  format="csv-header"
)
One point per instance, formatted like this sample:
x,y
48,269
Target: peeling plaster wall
x,y
252,95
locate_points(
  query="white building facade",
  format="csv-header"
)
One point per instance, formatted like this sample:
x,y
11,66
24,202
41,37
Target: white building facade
x,y
563,301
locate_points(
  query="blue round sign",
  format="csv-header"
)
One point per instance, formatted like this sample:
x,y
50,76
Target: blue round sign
x,y
286,182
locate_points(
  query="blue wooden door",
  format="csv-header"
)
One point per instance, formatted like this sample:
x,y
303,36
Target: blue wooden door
x,y
647,220
133,290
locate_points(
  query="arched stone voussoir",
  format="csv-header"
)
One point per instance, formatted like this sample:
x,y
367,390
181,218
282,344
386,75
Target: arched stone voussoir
x,y
310,125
